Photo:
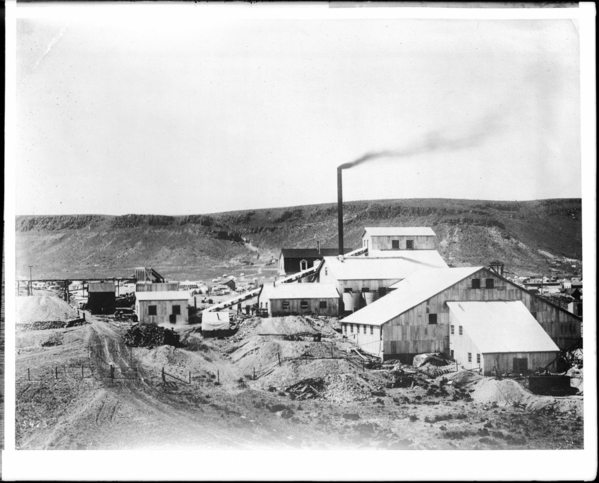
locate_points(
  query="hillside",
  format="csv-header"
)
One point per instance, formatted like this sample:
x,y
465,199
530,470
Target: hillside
x,y
531,237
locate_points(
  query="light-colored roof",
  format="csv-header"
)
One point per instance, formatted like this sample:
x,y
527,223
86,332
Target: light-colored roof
x,y
396,268
432,258
502,327
399,231
300,291
100,287
418,287
170,295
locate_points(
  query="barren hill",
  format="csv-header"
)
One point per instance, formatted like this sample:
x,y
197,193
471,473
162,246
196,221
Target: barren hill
x,y
530,237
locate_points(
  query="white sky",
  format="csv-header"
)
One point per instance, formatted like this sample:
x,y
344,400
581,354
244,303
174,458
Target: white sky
x,y
197,116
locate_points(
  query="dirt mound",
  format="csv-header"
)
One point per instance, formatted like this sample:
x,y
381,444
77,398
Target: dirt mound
x,y
503,392
285,326
43,308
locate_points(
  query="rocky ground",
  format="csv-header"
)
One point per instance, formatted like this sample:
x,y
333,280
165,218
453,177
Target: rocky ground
x,y
242,397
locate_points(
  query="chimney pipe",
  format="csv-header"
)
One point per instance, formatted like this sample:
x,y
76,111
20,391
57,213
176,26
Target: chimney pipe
x,y
340,209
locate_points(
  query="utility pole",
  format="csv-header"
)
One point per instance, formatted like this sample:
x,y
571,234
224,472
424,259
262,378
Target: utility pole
x,y
30,281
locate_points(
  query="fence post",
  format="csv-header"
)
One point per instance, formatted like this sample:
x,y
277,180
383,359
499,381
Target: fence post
x,y
56,372
163,377
28,374
82,376
189,377
254,373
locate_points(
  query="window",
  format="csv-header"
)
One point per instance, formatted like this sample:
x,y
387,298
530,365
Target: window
x,y
476,283
176,310
432,319
452,330
322,304
489,283
364,329
371,330
365,289
347,290
409,244
579,310
303,265
326,271
351,328
451,353
304,304
461,330
382,291
285,304
469,356
152,310
395,244
478,358
344,328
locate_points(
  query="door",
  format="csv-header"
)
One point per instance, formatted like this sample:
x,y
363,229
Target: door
x,y
520,365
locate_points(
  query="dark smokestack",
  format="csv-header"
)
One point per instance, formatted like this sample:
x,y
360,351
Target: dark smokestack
x,y
340,208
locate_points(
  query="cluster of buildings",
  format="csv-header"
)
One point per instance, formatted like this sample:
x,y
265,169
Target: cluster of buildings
x,y
396,297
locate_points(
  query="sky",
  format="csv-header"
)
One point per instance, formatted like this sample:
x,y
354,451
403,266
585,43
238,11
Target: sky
x,y
201,115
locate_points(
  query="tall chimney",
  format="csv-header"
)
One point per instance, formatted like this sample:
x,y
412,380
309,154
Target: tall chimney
x,y
340,209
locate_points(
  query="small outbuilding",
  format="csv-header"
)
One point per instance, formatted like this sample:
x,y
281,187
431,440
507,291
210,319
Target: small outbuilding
x,y
213,321
162,307
496,337
300,298
294,260
101,298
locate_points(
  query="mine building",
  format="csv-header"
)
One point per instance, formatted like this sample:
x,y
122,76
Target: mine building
x,y
414,318
101,298
294,260
362,280
496,337
156,286
299,298
398,238
162,307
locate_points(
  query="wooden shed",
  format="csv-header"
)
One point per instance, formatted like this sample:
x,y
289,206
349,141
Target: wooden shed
x,y
101,298
414,318
300,298
294,260
399,238
496,337
162,307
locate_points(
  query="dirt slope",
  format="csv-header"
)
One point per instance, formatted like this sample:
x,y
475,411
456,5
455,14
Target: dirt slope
x,y
530,237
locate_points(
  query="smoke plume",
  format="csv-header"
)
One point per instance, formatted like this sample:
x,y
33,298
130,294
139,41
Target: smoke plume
x,y
433,142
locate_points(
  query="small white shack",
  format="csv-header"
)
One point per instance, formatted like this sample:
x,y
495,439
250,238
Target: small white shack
x,y
300,298
498,336
162,307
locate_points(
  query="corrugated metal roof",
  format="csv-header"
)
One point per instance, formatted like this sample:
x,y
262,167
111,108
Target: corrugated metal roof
x,y
101,287
169,295
502,327
300,291
415,289
399,231
396,268
312,252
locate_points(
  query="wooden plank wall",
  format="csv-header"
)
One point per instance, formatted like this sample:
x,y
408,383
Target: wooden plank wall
x,y
276,307
420,242
564,328
164,308
505,361
360,333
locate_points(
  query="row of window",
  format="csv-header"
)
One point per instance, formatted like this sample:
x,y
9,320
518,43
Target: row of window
x,y
453,330
153,310
489,283
469,356
409,244
351,329
304,304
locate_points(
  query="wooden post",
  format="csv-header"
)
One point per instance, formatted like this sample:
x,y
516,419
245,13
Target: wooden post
x,y
163,376
189,377
28,374
56,372
254,373
82,376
